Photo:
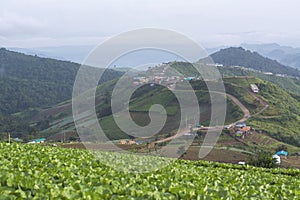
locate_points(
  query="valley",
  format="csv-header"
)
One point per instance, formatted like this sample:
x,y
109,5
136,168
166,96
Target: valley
x,y
261,111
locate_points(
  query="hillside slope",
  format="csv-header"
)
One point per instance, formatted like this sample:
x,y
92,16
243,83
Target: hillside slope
x,y
234,56
282,117
286,55
292,85
280,120
56,119
30,81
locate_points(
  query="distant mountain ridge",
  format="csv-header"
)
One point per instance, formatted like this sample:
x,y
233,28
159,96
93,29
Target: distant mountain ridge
x,y
64,53
238,56
78,53
286,55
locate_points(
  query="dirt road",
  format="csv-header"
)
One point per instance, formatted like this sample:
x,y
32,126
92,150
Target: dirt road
x,y
245,110
242,107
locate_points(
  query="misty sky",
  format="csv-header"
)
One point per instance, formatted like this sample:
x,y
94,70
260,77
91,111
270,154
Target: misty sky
x,y
36,23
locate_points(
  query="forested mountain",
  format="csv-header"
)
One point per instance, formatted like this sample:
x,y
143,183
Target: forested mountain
x,y
286,55
234,56
30,81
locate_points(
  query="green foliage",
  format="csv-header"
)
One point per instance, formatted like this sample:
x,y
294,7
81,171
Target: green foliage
x,y
282,148
186,69
290,84
141,101
243,96
144,97
37,172
287,83
234,56
30,81
282,118
262,159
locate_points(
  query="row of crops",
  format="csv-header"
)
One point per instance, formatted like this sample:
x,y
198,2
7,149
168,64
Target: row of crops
x,y
43,172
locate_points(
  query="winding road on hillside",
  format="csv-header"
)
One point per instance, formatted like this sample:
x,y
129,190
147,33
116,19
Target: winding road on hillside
x,y
266,105
241,106
245,110
184,131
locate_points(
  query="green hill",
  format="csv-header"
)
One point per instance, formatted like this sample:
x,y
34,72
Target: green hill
x,y
292,85
30,81
286,55
288,83
51,121
280,120
234,56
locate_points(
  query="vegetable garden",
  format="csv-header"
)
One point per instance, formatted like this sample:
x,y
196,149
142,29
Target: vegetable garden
x,y
41,172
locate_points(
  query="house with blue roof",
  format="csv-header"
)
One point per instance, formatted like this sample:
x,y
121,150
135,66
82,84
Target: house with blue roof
x,y
38,140
282,153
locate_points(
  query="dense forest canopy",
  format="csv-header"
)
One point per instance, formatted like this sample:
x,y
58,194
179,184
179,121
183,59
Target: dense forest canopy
x,y
30,81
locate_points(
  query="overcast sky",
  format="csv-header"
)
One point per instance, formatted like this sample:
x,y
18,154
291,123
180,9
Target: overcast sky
x,y
36,23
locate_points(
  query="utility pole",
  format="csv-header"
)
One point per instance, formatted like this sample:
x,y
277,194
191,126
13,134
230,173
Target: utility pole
x,y
8,135
186,122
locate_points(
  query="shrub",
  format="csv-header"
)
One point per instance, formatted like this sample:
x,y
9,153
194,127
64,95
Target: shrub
x,y
262,159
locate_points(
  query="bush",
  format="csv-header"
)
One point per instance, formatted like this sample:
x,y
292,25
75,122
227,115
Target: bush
x,y
281,148
262,159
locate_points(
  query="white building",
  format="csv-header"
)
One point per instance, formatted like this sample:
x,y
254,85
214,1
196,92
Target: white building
x,y
278,160
254,88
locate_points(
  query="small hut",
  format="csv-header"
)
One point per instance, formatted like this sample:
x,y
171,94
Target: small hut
x,y
282,153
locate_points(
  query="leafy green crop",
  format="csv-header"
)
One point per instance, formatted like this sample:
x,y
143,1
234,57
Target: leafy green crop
x,y
41,172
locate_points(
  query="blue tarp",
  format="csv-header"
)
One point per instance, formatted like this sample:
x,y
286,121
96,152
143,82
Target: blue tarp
x,y
39,139
189,78
282,153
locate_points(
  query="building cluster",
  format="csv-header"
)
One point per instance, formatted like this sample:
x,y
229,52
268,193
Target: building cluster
x,y
38,140
128,142
167,80
214,64
157,75
242,130
278,75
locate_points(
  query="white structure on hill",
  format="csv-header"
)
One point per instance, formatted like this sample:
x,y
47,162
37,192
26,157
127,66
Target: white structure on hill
x,y
277,158
254,88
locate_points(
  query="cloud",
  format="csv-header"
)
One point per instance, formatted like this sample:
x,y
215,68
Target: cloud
x,y
12,24
213,22
50,41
